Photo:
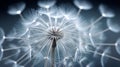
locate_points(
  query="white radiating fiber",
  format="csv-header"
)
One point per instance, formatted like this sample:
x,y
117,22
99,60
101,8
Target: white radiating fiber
x,y
12,63
2,38
104,58
59,35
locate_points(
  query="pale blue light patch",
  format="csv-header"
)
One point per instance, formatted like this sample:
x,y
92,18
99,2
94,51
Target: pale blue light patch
x,y
16,8
113,25
105,11
83,4
46,3
117,46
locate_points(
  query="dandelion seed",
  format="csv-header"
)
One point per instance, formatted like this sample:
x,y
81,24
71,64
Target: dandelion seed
x,y
58,36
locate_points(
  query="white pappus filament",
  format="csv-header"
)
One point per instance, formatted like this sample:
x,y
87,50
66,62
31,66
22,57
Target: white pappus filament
x,y
58,36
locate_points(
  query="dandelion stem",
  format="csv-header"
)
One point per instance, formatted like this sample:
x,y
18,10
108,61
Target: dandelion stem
x,y
78,13
97,20
53,52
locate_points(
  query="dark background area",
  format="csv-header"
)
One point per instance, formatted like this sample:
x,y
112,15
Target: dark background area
x,y
115,4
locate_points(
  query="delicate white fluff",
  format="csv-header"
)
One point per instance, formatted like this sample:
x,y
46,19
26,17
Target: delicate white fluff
x,y
117,46
113,25
46,3
78,39
83,4
16,8
105,11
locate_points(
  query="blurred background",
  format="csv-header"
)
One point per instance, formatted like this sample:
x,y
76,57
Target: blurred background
x,y
7,21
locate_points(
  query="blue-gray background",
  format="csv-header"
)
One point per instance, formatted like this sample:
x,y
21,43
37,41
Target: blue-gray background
x,y
7,21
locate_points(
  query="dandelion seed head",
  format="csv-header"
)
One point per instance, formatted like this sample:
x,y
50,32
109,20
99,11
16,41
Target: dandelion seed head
x,y
75,40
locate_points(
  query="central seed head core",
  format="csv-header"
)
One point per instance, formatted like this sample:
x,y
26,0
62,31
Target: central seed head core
x,y
55,34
